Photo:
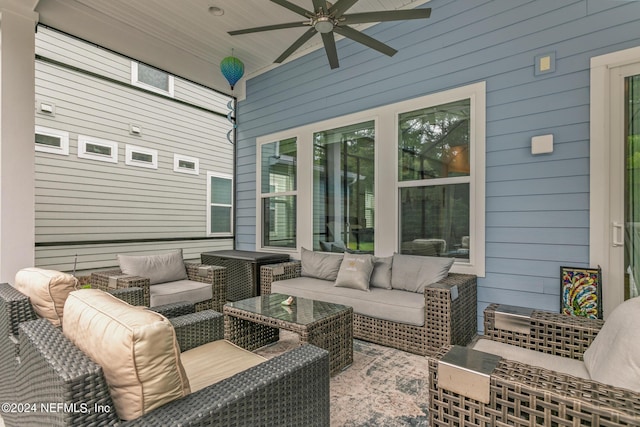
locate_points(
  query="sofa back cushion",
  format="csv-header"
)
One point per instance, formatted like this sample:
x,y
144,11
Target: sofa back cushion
x,y
320,265
136,348
161,268
47,290
355,271
613,356
412,273
381,274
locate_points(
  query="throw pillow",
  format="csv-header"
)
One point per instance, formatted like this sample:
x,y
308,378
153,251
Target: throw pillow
x,y
320,265
47,291
136,348
161,268
355,271
381,275
612,358
412,273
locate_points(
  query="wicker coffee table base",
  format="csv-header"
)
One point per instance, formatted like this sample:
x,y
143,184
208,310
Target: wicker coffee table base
x,y
334,333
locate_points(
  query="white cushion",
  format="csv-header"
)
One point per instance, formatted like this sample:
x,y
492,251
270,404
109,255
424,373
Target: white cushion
x,y
355,271
565,365
180,290
614,355
47,291
412,273
215,361
136,348
320,265
159,268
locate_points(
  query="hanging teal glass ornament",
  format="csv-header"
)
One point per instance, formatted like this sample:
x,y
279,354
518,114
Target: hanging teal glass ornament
x,y
232,69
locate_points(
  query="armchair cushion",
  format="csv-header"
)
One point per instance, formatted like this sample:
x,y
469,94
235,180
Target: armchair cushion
x,y
47,290
159,268
355,271
136,348
612,358
320,265
412,273
212,362
180,290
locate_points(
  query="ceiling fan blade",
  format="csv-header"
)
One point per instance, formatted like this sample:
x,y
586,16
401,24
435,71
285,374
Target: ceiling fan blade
x,y
390,15
294,8
268,28
330,47
319,5
302,40
365,40
338,9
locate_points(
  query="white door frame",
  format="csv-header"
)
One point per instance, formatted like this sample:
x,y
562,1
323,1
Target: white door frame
x,y
603,69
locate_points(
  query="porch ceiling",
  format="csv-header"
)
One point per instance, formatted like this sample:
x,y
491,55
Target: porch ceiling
x,y
184,38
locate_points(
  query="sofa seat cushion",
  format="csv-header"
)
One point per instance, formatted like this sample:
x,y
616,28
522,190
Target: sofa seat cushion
x,y
215,361
385,304
565,365
180,290
47,291
136,348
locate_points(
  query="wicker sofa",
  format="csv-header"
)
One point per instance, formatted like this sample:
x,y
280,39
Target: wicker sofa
x,y
291,389
516,386
167,278
448,308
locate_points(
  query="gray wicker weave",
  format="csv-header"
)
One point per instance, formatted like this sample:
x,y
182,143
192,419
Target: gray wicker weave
x,y
288,390
524,395
217,276
446,321
255,322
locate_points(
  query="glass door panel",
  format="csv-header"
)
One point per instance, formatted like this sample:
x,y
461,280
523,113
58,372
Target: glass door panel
x,y
632,186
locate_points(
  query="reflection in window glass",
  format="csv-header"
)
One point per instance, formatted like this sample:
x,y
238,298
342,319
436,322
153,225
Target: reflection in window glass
x,y
221,190
220,204
434,220
434,142
153,77
279,162
343,188
279,216
51,141
220,219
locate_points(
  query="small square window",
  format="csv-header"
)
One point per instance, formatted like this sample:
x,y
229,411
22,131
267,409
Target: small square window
x,y
186,164
151,78
54,141
141,157
97,149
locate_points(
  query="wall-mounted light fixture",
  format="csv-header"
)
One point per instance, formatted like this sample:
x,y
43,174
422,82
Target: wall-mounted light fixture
x,y
542,144
47,108
135,129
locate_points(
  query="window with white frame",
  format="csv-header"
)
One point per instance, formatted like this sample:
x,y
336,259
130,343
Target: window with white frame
x,y
151,78
97,149
413,171
186,164
141,157
278,192
54,141
220,204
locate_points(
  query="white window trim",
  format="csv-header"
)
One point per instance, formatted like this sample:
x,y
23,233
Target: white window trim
x,y
260,196
83,140
599,165
176,161
209,203
130,161
143,85
386,178
62,135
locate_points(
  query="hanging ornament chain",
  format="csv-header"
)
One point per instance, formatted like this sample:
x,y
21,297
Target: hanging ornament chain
x,y
233,70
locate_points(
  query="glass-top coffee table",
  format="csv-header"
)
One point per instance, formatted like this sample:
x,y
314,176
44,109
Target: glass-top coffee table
x,y
255,322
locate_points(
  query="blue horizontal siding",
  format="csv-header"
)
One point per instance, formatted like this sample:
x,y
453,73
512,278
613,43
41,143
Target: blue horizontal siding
x,y
537,207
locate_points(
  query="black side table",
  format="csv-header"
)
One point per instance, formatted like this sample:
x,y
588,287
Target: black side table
x,y
243,270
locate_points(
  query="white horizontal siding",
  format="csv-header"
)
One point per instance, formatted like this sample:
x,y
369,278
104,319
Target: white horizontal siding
x,y
83,200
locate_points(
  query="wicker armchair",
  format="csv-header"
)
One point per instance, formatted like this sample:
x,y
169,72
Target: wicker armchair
x,y
291,389
520,394
15,309
448,320
216,276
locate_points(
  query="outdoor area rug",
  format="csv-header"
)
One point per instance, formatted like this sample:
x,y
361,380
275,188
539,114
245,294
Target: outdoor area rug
x,y
383,387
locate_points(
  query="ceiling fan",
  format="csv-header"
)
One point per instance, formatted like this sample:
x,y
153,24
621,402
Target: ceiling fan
x,y
328,18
